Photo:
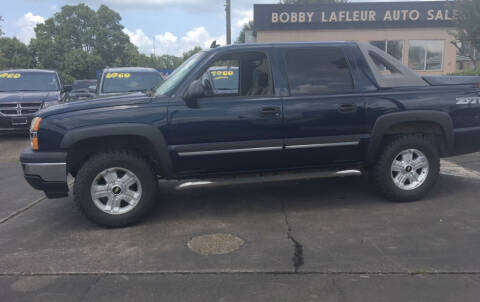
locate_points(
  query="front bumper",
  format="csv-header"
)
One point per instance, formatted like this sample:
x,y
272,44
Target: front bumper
x,y
46,171
8,124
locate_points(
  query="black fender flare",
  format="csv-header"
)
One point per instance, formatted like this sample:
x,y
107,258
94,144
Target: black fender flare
x,y
148,132
384,122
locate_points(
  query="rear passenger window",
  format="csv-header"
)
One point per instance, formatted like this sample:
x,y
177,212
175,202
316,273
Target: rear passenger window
x,y
316,71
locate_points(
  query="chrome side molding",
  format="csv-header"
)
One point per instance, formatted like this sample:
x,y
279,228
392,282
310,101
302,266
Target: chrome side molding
x,y
225,181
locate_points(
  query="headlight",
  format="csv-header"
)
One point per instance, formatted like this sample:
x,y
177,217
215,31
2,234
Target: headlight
x,y
34,131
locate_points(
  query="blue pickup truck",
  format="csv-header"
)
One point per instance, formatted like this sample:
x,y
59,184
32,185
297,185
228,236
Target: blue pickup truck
x,y
325,109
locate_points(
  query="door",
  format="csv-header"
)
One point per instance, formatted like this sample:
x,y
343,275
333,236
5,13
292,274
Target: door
x,y
237,127
324,116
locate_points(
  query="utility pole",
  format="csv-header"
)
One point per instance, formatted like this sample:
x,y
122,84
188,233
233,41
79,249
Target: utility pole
x,y
227,11
154,46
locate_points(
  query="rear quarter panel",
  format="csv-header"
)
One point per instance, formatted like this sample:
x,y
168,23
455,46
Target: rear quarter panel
x,y
445,99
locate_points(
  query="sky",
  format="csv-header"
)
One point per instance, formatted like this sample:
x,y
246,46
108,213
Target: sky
x,y
175,26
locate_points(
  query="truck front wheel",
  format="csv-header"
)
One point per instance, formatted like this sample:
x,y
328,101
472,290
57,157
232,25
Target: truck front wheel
x,y
115,189
407,168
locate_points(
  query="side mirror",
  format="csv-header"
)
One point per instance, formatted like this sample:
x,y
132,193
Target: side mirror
x,y
198,89
92,88
67,88
194,91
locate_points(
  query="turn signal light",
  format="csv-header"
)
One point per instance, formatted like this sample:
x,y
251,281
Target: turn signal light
x,y
34,131
34,143
35,124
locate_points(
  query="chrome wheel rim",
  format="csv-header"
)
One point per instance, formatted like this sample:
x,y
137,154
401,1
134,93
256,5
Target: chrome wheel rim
x,y
116,191
409,169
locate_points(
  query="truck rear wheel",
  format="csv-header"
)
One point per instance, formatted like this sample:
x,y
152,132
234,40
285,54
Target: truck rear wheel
x,y
407,168
115,189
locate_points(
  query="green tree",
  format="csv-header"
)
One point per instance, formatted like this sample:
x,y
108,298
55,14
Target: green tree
x,y
158,62
3,60
78,64
111,42
190,53
14,54
246,26
1,32
468,28
78,41
168,61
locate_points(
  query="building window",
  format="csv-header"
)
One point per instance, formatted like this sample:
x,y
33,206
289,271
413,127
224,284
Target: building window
x,y
317,71
426,55
392,47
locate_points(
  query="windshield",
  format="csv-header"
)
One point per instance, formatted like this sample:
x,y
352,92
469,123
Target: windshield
x,y
83,84
11,81
130,81
179,74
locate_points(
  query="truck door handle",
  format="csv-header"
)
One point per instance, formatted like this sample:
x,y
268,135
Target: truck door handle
x,y
273,111
347,108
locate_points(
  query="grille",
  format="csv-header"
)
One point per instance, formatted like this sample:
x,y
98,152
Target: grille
x,y
19,109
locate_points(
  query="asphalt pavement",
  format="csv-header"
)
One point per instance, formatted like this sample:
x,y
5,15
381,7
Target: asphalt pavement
x,y
303,240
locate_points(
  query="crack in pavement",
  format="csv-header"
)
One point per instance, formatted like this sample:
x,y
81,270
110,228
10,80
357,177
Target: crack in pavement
x,y
20,211
239,272
27,207
297,258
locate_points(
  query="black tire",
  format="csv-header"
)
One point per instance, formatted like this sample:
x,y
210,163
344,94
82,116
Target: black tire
x,y
121,159
382,173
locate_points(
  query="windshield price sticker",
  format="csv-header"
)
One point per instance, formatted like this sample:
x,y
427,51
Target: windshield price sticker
x,y
6,75
117,75
221,73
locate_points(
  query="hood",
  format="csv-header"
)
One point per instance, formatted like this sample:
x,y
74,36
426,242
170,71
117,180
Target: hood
x,y
29,96
99,102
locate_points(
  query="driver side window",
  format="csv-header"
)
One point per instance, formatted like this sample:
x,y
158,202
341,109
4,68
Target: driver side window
x,y
239,74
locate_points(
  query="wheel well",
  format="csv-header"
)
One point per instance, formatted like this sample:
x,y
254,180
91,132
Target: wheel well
x,y
82,150
431,130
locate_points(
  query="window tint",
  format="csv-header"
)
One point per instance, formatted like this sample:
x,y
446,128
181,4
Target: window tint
x,y
28,81
175,78
130,81
240,74
322,70
386,68
224,77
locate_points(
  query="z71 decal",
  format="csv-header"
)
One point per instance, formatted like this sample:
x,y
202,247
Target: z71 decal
x,y
468,100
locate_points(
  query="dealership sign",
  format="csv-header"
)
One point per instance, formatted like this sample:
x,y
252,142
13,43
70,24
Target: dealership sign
x,y
353,15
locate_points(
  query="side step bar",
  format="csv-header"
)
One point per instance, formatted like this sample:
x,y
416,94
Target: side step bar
x,y
267,177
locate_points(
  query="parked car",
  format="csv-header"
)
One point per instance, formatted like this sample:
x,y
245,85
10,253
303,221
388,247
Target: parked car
x,y
323,109
82,89
128,79
25,91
